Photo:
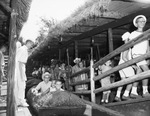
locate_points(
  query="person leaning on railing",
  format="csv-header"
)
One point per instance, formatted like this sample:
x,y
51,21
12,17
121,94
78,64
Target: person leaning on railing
x,y
126,72
138,50
105,81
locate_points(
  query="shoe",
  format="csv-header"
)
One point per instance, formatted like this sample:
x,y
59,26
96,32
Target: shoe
x,y
126,97
146,94
106,101
117,99
135,96
24,104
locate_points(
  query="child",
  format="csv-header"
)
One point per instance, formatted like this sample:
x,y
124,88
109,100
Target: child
x,y
58,85
138,50
43,86
105,81
126,72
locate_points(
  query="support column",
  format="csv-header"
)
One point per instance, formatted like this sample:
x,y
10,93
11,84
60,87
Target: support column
x,y
92,82
68,60
76,48
59,54
11,63
110,40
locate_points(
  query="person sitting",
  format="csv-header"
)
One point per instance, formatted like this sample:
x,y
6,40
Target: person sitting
x,y
43,86
58,85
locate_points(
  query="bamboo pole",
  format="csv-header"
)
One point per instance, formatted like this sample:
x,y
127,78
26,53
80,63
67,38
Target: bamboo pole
x,y
144,36
11,63
129,80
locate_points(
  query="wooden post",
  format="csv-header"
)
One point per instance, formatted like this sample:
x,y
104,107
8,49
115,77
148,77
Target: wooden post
x,y
68,61
76,49
11,63
110,40
92,73
98,51
59,54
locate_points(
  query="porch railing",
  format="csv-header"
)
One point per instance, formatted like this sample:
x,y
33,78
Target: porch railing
x,y
93,78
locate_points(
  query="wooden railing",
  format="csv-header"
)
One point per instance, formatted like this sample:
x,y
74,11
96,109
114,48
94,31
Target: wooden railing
x,y
93,78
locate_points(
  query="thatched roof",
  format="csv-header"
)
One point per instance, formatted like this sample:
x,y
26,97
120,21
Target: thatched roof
x,y
87,19
22,10
92,8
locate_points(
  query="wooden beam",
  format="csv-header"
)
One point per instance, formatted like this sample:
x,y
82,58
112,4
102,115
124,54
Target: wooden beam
x,y
5,7
132,79
76,49
11,63
125,20
123,65
110,40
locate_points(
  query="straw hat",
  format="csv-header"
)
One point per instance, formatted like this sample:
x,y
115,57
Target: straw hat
x,y
125,36
139,16
77,60
46,74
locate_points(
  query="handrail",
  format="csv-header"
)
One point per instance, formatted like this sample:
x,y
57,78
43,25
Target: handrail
x,y
80,82
138,39
122,48
129,80
119,67
138,77
123,65
83,92
80,72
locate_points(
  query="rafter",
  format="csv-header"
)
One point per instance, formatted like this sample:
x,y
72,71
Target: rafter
x,y
113,24
5,7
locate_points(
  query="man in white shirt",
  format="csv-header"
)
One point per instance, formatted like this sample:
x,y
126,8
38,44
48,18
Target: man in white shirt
x,y
20,75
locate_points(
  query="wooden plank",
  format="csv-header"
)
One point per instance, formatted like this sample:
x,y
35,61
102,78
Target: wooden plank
x,y
125,20
132,79
123,65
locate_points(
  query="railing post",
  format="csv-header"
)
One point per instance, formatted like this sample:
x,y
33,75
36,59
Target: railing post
x,y
92,82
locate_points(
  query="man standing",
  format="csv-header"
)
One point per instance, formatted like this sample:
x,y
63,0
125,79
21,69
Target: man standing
x,y
20,75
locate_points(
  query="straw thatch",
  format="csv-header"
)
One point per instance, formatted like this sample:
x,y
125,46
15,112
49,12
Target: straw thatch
x,y
22,9
92,8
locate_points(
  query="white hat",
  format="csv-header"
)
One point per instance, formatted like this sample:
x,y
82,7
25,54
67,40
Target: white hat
x,y
46,74
125,36
77,60
134,20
